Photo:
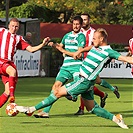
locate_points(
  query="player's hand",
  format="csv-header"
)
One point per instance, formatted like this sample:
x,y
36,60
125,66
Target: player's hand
x,y
51,44
45,41
76,55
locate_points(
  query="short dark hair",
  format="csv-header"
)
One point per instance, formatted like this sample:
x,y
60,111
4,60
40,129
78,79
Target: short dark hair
x,y
87,14
78,18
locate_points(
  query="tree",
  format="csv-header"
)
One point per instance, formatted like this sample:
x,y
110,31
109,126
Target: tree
x,y
128,6
62,11
66,9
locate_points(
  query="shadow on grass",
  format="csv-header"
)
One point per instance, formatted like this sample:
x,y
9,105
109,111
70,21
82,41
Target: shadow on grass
x,y
74,125
30,122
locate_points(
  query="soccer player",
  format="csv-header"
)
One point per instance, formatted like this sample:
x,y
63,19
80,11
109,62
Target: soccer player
x,y
72,41
88,31
9,43
131,50
89,70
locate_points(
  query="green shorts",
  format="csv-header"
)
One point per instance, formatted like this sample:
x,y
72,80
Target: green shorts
x,y
81,86
67,73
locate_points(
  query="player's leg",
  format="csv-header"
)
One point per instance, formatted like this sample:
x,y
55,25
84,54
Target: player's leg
x,y
61,79
10,69
45,112
103,96
97,92
4,97
105,84
90,105
94,108
81,108
73,88
53,97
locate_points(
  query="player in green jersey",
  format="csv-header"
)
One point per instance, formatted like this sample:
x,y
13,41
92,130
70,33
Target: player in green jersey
x,y
88,31
72,41
89,70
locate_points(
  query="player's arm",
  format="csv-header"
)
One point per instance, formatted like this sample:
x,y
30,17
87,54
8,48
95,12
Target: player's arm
x,y
61,49
35,48
86,49
126,59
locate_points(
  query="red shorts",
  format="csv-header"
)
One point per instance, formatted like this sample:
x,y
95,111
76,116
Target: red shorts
x,y
3,65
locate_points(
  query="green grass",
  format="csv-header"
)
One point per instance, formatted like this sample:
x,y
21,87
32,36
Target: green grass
x,y
30,91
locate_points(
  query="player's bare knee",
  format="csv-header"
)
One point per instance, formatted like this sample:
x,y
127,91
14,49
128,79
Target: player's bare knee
x,y
57,94
89,108
56,85
11,71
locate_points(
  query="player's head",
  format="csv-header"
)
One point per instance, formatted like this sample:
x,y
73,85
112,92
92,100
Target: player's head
x,y
77,23
13,25
86,20
100,37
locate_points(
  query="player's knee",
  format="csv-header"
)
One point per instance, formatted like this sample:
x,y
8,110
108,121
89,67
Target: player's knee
x,y
60,92
57,94
56,85
11,71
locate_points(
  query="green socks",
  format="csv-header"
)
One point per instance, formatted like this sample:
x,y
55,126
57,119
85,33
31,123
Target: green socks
x,y
102,112
47,109
46,102
107,85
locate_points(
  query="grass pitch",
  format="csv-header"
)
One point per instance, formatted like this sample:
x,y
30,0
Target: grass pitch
x,y
30,91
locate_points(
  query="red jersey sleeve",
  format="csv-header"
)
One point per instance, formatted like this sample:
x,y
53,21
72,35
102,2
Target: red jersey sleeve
x,y
22,45
131,45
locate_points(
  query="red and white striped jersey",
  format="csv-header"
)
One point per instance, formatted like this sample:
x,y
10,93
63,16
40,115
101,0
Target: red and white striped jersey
x,y
131,45
9,43
89,37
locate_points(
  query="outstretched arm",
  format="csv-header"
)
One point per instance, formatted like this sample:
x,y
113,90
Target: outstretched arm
x,y
35,48
126,59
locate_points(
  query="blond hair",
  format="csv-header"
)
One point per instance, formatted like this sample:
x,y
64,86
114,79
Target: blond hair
x,y
103,33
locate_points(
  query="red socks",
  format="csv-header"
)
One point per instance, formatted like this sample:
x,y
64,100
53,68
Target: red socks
x,y
12,85
3,99
81,103
98,92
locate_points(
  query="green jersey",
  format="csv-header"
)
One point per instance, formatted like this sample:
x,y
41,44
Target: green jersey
x,y
70,67
95,60
71,43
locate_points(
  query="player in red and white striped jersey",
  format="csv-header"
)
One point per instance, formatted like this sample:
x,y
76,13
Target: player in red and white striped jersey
x,y
130,53
9,43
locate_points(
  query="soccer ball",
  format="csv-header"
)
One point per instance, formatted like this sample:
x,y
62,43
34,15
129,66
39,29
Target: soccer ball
x,y
11,109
